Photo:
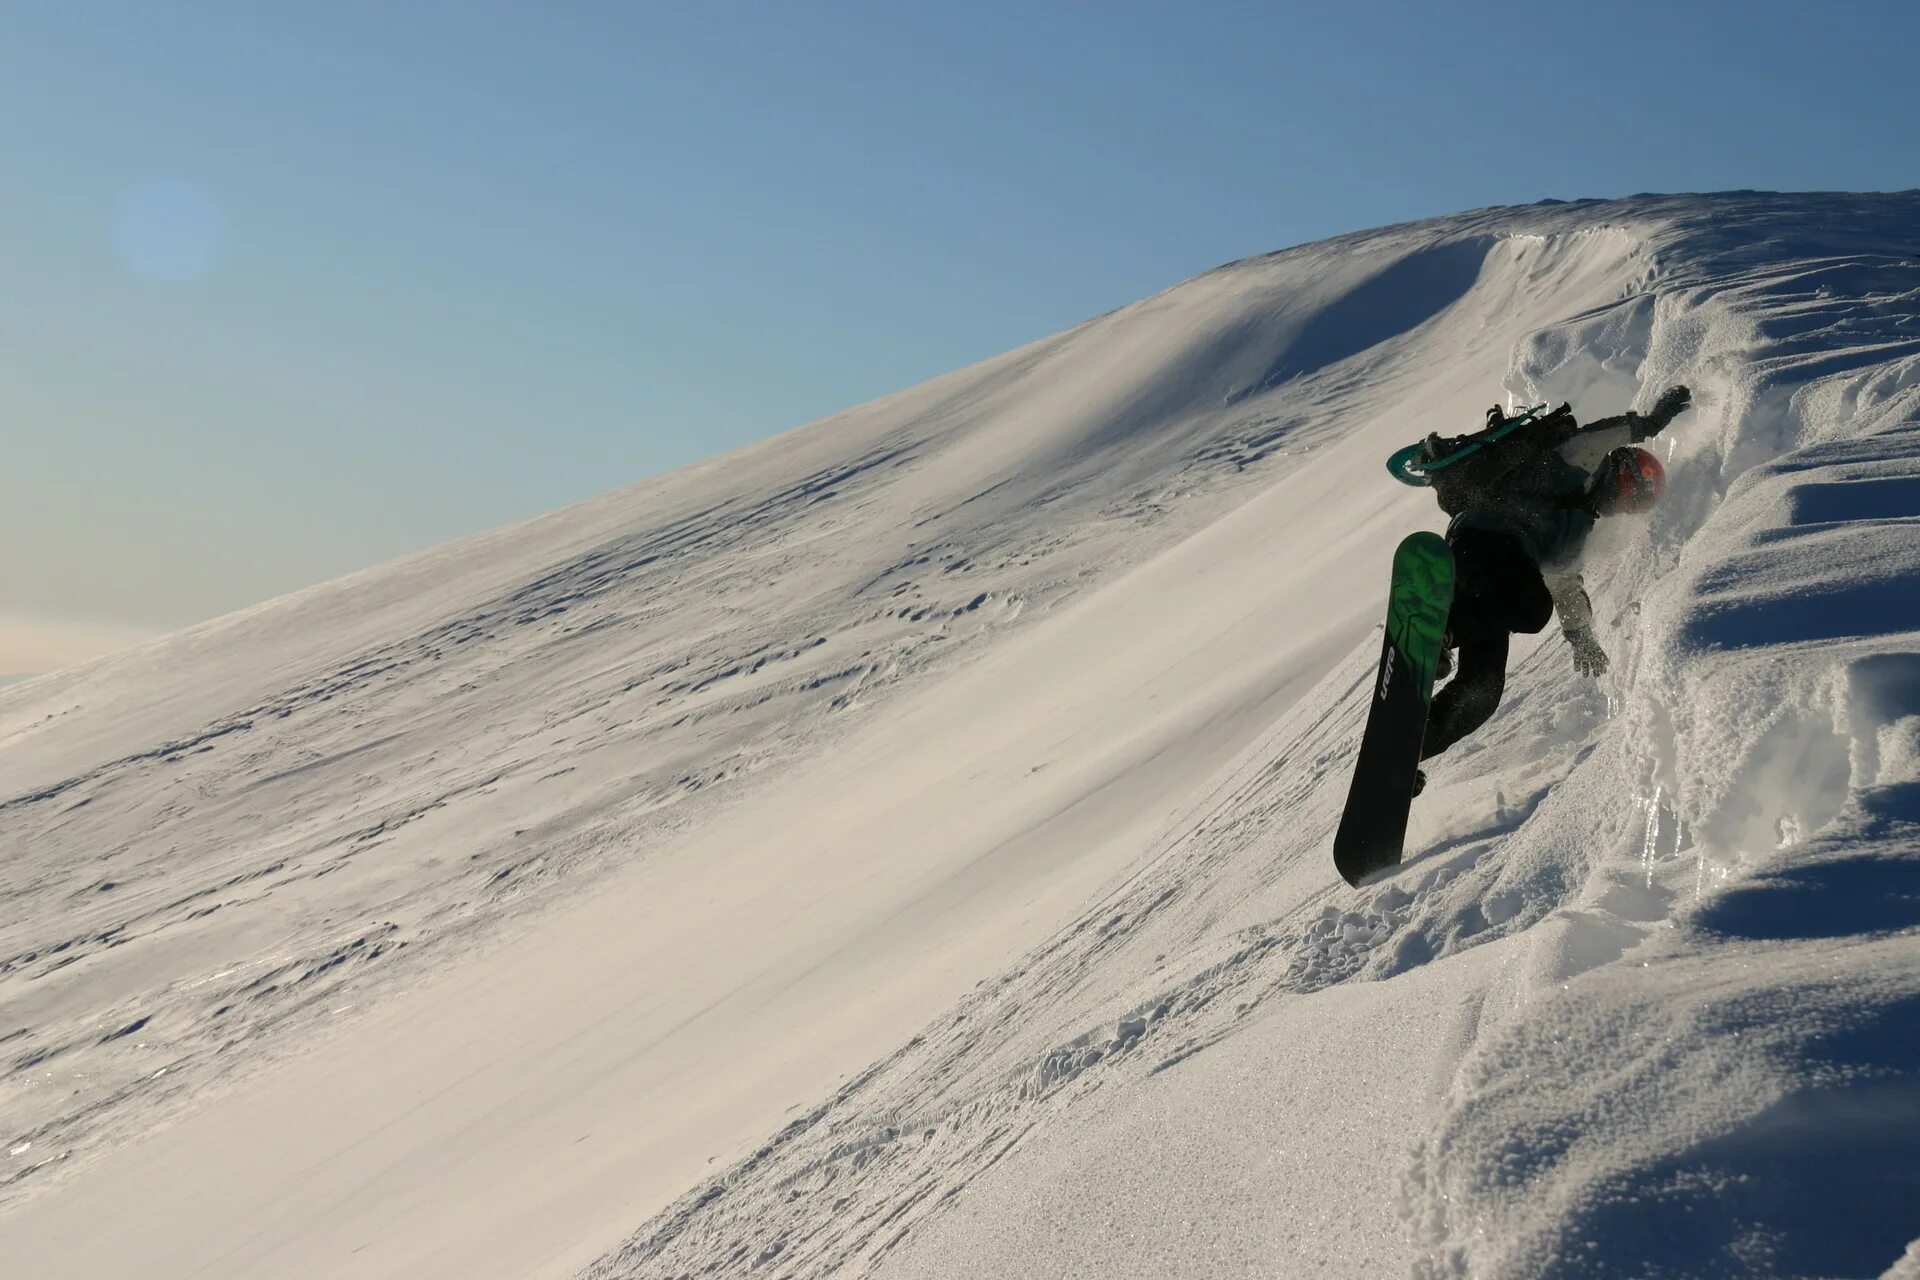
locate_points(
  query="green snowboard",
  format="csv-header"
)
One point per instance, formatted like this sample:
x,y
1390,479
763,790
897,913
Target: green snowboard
x,y
1375,822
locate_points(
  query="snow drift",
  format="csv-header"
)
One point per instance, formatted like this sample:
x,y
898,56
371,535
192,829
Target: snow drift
x,y
901,847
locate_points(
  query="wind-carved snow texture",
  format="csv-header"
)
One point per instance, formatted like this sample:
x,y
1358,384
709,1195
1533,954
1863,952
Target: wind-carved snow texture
x,y
1744,1097
1716,883
256,829
190,901
1044,679
1198,931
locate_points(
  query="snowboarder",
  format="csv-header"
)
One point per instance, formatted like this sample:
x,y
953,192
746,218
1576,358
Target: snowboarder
x,y
1522,509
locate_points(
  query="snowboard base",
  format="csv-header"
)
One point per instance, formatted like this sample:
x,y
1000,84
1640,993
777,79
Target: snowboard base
x,y
1374,825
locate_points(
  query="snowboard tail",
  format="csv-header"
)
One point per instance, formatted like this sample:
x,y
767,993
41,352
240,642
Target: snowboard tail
x,y
1374,825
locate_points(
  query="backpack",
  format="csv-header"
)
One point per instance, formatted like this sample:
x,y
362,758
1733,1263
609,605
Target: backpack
x,y
1464,471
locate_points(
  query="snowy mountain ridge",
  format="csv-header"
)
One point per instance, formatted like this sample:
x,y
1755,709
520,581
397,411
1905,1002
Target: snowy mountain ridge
x,y
632,849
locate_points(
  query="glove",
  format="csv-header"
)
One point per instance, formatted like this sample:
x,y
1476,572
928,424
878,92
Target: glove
x,y
1673,402
1589,659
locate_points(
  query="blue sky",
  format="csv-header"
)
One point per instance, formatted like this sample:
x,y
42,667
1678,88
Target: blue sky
x,y
288,289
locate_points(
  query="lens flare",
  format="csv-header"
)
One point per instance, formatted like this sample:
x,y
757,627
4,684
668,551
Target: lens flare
x,y
168,230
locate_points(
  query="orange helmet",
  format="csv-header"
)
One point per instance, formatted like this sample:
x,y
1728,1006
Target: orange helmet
x,y
1628,482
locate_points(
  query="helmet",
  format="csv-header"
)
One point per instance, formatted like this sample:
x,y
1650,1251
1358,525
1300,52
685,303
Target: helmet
x,y
1627,482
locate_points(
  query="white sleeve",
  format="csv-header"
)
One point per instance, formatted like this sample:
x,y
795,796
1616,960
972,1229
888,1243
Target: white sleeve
x,y
1570,603
1594,443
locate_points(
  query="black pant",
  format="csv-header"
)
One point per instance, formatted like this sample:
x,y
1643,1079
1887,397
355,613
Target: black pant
x,y
1497,590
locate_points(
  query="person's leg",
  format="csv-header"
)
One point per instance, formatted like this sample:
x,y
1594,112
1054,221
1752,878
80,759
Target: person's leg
x,y
1497,590
1497,587
1470,697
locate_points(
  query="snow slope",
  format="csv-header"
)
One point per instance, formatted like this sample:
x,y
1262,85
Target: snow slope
x,y
900,848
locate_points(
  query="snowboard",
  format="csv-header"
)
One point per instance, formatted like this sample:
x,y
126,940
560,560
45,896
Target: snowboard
x,y
1408,467
1375,822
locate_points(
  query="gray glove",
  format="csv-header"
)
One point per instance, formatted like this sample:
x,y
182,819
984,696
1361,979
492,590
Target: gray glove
x,y
1589,659
1673,402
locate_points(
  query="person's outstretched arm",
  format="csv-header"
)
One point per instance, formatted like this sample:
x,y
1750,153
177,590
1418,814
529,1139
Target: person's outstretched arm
x,y
1575,611
1597,439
